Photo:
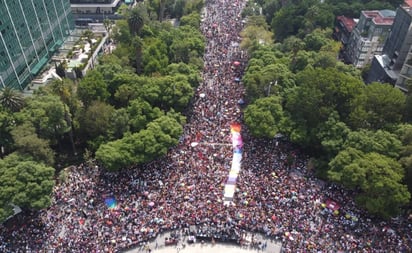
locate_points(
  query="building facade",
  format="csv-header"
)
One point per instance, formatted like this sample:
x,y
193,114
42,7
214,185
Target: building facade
x,y
93,11
368,37
395,65
30,33
343,28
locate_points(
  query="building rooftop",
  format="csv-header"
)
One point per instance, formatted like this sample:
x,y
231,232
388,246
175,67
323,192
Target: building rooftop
x,y
349,23
382,17
91,5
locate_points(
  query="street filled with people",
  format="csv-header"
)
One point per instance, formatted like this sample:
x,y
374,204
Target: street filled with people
x,y
276,193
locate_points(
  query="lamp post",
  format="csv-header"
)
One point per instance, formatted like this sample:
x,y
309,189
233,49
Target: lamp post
x,y
270,85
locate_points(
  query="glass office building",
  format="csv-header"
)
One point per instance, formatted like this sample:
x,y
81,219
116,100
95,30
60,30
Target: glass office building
x,y
30,32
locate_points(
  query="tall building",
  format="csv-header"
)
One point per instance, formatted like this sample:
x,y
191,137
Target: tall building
x,y
395,65
91,11
343,28
368,36
30,32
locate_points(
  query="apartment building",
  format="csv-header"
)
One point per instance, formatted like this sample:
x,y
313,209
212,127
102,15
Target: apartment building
x,y
368,37
395,64
30,32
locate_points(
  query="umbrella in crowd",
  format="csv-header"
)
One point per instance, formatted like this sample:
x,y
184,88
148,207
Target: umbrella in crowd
x,y
110,202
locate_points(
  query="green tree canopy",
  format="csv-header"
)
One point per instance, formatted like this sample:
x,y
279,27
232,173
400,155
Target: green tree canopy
x,y
28,142
192,19
93,87
186,43
378,106
264,117
333,134
7,123
404,132
319,93
376,179
142,113
368,141
141,147
154,59
95,120
47,113
272,79
25,183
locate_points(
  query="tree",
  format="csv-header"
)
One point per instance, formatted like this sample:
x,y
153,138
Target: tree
x,y
92,87
192,19
111,67
66,91
264,117
319,93
7,123
95,120
286,22
176,92
333,134
267,80
315,40
136,19
137,45
47,113
404,132
25,183
256,33
11,99
108,24
117,154
381,142
141,113
154,58
376,179
141,147
190,71
186,42
60,70
119,124
378,106
27,142
121,33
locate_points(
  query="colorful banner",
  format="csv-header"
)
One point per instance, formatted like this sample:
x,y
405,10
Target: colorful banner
x,y
237,144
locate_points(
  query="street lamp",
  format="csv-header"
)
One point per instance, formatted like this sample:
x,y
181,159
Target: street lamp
x,y
270,85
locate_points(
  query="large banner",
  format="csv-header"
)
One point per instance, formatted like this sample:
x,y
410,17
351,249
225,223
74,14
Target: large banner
x,y
237,144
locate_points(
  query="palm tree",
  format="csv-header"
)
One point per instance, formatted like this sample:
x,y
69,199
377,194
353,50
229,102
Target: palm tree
x,y
64,89
162,7
137,43
11,99
135,21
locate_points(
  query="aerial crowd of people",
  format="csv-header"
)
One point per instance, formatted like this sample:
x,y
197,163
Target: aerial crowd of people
x,y
276,194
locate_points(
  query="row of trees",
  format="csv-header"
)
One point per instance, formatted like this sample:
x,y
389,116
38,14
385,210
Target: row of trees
x,y
357,134
301,17
127,111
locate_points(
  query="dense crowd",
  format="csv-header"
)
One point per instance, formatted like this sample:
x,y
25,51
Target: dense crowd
x,y
276,194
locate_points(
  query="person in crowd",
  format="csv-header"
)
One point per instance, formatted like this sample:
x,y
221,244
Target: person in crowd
x,y
279,200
